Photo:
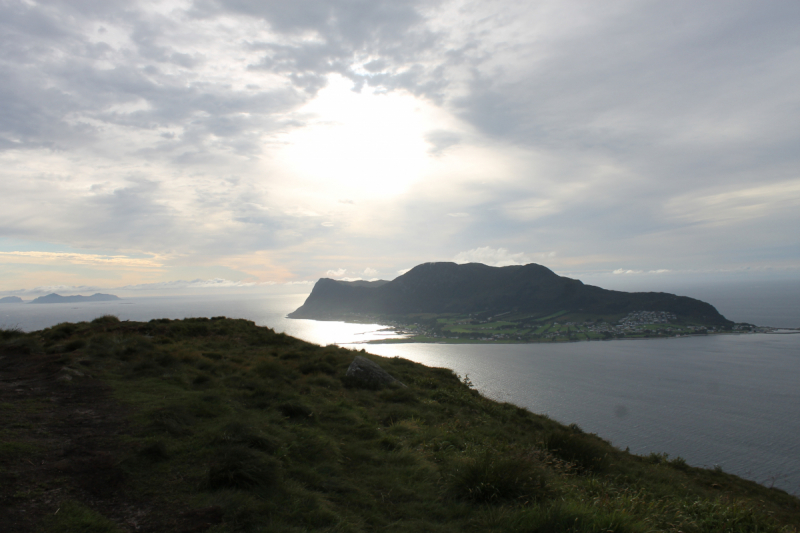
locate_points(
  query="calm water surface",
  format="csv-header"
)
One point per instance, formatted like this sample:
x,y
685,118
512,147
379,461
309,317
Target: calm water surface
x,y
727,400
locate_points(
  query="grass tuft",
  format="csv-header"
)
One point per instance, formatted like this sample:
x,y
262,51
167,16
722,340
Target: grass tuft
x,y
493,477
237,433
10,333
74,517
584,450
106,320
239,467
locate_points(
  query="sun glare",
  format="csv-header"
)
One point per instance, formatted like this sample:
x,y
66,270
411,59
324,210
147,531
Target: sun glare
x,y
359,143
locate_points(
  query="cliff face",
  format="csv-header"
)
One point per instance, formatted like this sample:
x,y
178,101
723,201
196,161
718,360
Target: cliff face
x,y
475,288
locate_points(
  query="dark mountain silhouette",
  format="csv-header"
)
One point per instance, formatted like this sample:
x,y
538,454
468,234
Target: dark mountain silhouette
x,y
58,299
477,288
11,300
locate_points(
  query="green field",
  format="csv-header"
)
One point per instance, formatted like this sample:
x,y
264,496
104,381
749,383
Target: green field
x,y
523,328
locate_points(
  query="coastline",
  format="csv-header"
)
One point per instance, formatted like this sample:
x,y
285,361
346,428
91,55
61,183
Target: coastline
x,y
421,339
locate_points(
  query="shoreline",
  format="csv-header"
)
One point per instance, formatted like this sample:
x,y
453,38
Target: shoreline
x,y
455,329
435,340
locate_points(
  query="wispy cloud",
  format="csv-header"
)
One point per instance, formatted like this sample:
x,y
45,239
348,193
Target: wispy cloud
x,y
491,256
624,271
118,261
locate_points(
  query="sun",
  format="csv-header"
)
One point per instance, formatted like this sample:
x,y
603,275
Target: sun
x,y
360,143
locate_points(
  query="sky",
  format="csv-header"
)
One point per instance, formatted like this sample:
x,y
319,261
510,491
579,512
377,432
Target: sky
x,y
222,144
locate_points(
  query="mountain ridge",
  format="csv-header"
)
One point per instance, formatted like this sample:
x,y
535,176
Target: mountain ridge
x,y
477,288
54,298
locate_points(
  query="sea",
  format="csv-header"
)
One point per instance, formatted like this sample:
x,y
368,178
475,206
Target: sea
x,y
731,401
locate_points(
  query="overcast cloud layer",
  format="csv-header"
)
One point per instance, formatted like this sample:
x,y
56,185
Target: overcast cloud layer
x,y
249,142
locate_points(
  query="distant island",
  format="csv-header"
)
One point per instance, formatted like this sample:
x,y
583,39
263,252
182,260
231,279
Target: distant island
x,y
58,299
448,302
11,300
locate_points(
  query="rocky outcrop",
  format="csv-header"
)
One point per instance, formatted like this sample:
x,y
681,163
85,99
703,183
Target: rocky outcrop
x,y
367,374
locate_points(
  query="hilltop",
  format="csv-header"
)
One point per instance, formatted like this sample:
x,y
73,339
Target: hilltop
x,y
458,301
218,425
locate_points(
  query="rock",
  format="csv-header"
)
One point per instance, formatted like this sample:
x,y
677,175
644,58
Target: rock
x,y
367,374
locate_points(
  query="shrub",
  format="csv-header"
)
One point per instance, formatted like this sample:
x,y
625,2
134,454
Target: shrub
x,y
174,420
201,379
75,344
679,463
399,395
101,345
131,346
239,467
493,477
166,360
105,320
23,345
154,451
10,333
74,516
295,410
269,370
237,433
657,458
317,366
60,332
324,381
569,517
585,451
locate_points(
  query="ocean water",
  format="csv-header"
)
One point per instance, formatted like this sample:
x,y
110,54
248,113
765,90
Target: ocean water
x,y
264,310
728,400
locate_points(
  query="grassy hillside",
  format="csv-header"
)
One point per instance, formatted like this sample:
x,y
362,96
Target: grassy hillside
x,y
218,425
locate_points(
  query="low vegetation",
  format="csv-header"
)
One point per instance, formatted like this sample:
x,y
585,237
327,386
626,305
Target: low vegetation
x,y
218,425
563,326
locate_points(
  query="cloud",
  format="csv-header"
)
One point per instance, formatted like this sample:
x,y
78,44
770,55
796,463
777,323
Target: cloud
x,y
498,257
659,271
370,272
441,140
116,261
338,273
647,134
216,283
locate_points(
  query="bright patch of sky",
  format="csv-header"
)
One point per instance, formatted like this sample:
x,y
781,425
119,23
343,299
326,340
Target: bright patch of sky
x,y
226,144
